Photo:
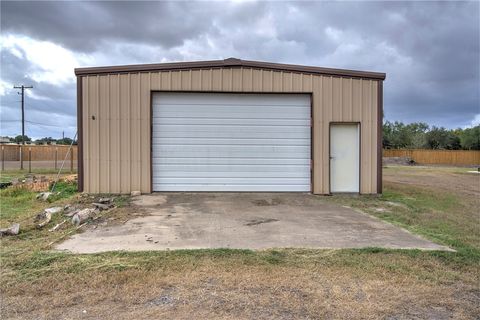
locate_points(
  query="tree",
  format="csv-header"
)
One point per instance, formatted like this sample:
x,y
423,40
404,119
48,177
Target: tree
x,y
18,139
470,138
66,141
46,140
397,135
441,138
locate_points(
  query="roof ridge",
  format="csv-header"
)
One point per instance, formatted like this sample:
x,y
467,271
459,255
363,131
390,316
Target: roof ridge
x,y
229,62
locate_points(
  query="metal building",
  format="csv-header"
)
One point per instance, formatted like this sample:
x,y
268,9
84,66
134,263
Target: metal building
x,y
229,125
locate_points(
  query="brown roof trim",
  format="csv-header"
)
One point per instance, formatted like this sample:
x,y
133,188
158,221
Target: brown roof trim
x,y
230,62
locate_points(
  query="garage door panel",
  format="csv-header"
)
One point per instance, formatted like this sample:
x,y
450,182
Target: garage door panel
x,y
231,187
235,180
234,114
223,129
160,161
233,174
244,134
254,151
231,142
230,121
175,170
233,168
231,99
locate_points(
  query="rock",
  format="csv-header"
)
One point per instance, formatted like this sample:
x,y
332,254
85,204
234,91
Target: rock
x,y
13,230
71,213
102,206
82,215
3,185
47,216
135,193
54,210
43,195
105,200
70,210
405,161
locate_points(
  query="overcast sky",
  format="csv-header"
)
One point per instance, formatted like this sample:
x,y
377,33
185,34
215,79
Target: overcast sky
x,y
429,50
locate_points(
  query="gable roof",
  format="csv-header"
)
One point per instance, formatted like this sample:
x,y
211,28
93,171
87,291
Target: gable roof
x,y
229,63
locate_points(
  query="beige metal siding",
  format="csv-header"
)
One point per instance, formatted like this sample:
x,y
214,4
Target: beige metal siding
x,y
117,143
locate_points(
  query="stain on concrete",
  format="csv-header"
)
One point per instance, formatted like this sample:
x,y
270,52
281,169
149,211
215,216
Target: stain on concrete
x,y
267,202
149,200
255,222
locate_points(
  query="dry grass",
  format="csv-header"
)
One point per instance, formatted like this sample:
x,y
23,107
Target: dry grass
x,y
274,284
236,285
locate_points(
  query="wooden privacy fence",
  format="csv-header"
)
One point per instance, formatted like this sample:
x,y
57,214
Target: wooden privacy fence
x,y
449,157
11,152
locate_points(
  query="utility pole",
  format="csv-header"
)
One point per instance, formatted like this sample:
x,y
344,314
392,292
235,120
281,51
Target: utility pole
x,y
22,87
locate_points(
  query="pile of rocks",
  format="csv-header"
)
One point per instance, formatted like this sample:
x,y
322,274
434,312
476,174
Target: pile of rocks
x,y
78,214
31,182
401,161
81,215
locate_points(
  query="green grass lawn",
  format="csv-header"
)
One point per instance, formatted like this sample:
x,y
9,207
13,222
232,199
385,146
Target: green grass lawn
x,y
412,278
440,216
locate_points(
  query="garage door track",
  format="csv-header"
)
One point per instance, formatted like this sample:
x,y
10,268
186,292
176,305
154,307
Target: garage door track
x,y
243,220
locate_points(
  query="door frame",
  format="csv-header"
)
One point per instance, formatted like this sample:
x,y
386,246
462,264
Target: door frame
x,y
312,142
359,126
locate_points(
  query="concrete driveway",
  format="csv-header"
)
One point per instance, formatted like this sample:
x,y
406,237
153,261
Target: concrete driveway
x,y
243,220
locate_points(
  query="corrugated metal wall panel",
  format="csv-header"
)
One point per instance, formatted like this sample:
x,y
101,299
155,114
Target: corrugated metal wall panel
x,y
146,85
114,133
318,127
103,123
117,147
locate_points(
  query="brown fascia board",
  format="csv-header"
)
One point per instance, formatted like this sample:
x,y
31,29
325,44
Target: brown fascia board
x,y
227,63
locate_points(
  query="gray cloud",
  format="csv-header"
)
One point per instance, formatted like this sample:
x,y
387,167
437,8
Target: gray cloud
x,y
89,26
429,50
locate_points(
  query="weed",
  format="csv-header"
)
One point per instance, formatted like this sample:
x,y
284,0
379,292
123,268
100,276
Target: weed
x,y
63,190
121,201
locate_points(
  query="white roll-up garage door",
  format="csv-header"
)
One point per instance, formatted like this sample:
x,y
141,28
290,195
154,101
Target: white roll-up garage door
x,y
231,142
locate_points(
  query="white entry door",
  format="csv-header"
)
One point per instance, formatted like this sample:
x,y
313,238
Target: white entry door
x,y
344,158
231,142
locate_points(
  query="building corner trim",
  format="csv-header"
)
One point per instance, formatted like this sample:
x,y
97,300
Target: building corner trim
x,y
80,133
380,137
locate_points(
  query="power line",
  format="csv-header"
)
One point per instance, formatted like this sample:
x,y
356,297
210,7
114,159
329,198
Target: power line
x,y
47,125
37,123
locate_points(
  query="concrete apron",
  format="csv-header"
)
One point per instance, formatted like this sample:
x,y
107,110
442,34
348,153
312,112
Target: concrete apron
x,y
243,221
